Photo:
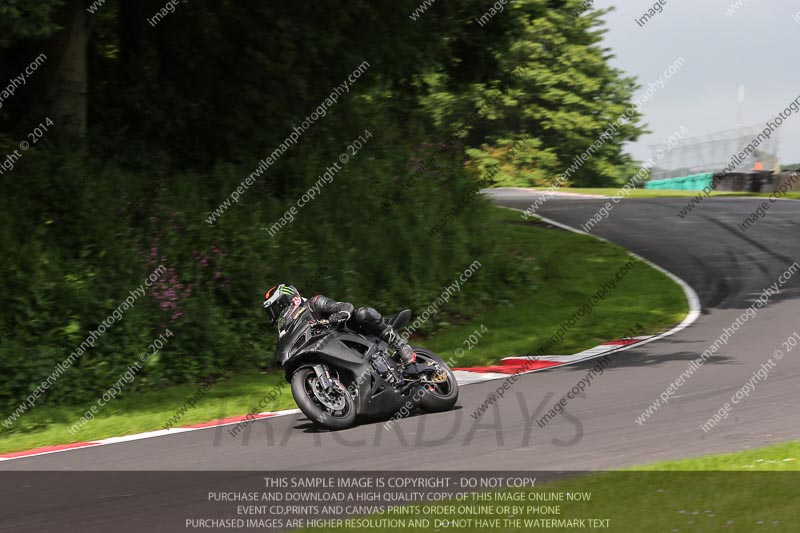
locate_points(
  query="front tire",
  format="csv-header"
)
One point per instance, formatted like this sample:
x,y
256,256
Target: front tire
x,y
331,410
437,397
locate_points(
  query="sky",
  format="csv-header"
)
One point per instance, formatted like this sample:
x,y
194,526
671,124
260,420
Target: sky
x,y
756,46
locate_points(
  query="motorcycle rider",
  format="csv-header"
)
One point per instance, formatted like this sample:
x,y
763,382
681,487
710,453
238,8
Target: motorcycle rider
x,y
284,305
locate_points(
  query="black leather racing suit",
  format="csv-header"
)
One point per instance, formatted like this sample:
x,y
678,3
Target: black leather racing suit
x,y
366,319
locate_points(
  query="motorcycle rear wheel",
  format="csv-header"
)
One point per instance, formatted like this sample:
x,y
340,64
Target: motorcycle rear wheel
x,y
438,397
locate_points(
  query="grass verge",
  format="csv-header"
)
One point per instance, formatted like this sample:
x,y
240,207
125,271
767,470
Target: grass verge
x,y
568,271
781,457
736,493
147,411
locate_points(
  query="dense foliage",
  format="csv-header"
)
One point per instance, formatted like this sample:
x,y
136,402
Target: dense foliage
x,y
179,113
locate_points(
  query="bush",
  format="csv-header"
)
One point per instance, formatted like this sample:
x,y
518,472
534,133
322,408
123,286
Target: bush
x,y
81,235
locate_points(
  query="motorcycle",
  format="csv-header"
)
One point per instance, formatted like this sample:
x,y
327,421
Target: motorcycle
x,y
338,374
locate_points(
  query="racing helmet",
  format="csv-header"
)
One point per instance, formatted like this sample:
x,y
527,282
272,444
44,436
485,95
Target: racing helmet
x,y
280,298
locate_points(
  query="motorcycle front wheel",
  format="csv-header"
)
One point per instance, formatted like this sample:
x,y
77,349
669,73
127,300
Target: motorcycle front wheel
x,y
332,409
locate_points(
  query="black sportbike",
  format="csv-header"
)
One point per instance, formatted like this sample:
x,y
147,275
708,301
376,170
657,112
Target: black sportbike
x,y
338,374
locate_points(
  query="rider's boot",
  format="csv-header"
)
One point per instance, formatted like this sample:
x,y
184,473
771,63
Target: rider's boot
x,y
401,347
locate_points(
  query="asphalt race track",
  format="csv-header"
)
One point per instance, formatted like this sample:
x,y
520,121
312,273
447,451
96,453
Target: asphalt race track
x,y
727,268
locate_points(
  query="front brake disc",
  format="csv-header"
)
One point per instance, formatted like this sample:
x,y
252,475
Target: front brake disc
x,y
335,403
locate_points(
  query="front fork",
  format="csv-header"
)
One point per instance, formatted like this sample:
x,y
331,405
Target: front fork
x,y
323,376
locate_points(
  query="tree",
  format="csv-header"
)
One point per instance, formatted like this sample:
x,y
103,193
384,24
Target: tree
x,y
68,80
26,19
61,30
554,96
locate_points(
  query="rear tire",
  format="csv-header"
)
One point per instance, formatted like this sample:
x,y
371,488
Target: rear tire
x,y
303,383
444,395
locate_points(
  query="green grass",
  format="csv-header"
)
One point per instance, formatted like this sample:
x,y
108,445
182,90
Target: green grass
x,y
663,193
781,457
147,411
641,502
738,493
566,269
